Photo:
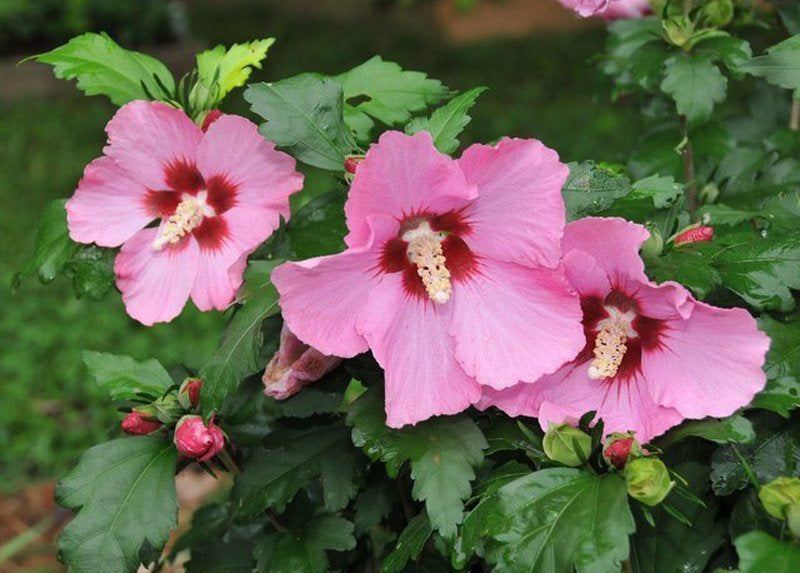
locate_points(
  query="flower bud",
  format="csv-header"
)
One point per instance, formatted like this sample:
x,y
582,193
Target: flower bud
x,y
619,448
295,365
679,29
779,495
694,234
653,246
210,118
567,445
168,408
718,13
189,393
648,480
351,163
196,440
139,424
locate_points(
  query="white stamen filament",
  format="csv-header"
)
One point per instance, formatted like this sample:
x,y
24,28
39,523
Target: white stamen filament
x,y
187,217
425,251
609,348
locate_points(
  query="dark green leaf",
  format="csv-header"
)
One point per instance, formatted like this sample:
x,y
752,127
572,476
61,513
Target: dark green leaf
x,y
446,123
318,228
733,52
780,66
124,378
124,491
735,428
221,555
92,271
52,245
592,188
782,393
409,545
304,116
372,506
292,458
555,519
759,553
238,353
748,515
695,84
305,550
690,266
102,67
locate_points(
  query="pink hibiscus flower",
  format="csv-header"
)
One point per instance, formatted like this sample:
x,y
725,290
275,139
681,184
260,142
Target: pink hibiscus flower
x,y
654,355
609,9
218,195
443,276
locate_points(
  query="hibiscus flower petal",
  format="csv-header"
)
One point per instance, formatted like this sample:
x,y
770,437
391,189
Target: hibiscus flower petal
x,y
146,138
408,337
403,175
261,175
108,207
519,214
513,323
585,275
155,284
709,364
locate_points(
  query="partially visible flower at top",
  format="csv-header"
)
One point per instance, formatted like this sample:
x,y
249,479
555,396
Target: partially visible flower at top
x,y
443,278
609,9
189,393
196,440
295,365
137,424
654,355
218,195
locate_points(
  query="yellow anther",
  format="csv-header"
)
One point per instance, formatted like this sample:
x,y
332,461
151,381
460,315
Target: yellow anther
x,y
609,349
425,251
187,217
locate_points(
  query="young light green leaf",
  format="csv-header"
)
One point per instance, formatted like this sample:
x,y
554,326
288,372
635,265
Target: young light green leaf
x,y
760,552
305,549
304,116
447,122
238,353
392,93
695,84
780,66
591,188
124,491
557,519
409,545
103,67
125,378
220,71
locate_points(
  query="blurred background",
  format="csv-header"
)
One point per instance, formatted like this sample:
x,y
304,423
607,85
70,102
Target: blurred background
x,y
535,57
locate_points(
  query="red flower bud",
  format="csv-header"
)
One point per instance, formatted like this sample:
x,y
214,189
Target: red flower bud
x,y
351,163
210,118
700,234
137,425
619,448
189,393
196,440
295,365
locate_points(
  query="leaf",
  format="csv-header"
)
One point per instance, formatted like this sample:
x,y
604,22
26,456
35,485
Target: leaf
x,y
759,552
775,452
305,549
733,52
443,453
695,84
662,190
555,519
124,378
735,428
219,70
102,67
221,555
292,458
52,245
318,227
780,66
689,266
92,271
447,122
124,491
304,117
238,353
392,93
409,545
372,506
591,188
782,393
748,514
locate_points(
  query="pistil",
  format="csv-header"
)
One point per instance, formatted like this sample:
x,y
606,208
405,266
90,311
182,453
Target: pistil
x,y
609,348
187,217
425,251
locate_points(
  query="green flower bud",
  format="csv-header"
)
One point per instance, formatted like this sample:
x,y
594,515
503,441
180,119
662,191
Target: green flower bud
x,y
679,30
718,13
567,445
653,246
168,409
779,495
793,519
648,480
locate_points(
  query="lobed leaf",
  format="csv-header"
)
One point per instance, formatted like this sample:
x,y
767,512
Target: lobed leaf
x,y
221,70
760,552
305,549
592,188
447,122
695,84
124,378
780,66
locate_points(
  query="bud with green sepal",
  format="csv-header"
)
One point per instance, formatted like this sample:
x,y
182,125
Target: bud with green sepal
x,y
567,445
781,499
189,393
168,408
619,448
717,13
648,480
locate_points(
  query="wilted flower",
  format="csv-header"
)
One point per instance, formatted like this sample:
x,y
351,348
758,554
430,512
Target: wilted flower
x,y
218,195
567,445
196,440
443,276
138,424
295,365
654,355
648,480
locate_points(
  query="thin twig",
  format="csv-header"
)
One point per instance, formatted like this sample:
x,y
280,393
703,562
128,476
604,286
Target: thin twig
x,y
687,154
794,121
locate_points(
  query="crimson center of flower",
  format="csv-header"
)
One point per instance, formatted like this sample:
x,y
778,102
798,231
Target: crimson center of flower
x,y
426,252
188,216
